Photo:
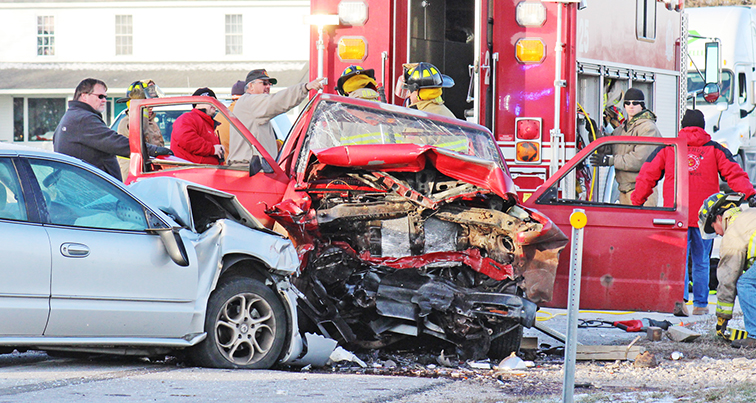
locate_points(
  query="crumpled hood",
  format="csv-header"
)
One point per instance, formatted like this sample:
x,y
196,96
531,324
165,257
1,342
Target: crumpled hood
x,y
413,158
695,135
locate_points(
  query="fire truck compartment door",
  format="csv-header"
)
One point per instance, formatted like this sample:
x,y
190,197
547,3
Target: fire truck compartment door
x,y
634,257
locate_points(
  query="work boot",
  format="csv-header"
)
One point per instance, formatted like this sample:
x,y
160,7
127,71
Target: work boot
x,y
722,329
680,309
748,342
703,310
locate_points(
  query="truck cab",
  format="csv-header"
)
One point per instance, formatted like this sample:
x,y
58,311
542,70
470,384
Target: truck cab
x,y
731,119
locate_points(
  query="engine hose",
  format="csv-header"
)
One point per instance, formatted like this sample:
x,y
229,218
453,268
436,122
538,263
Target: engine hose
x,y
593,132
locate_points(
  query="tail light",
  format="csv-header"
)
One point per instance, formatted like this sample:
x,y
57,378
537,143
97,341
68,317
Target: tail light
x,y
528,140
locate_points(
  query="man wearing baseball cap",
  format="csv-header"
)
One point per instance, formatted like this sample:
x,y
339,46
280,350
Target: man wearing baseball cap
x,y
257,107
193,137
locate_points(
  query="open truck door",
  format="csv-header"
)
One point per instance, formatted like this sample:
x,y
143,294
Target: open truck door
x,y
634,257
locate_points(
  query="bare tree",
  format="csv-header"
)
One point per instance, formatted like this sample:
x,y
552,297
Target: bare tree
x,y
710,3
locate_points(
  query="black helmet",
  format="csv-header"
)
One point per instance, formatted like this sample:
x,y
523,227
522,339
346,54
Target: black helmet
x,y
715,205
350,72
426,75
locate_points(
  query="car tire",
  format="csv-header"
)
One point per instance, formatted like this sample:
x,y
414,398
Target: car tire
x,y
508,343
245,325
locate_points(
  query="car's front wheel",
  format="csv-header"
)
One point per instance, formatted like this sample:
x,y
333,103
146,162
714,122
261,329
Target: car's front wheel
x,y
245,325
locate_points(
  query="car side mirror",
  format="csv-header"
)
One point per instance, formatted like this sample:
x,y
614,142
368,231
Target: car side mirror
x,y
174,245
257,164
743,113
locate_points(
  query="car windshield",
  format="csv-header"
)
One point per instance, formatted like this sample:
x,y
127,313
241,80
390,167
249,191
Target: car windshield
x,y
695,83
339,124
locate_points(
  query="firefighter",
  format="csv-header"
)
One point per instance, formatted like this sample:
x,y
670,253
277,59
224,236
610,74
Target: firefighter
x,y
627,159
140,89
721,214
356,82
425,84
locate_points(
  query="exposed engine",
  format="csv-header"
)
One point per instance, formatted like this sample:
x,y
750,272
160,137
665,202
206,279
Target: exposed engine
x,y
397,254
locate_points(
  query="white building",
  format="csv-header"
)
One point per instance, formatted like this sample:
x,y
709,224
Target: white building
x,y
47,48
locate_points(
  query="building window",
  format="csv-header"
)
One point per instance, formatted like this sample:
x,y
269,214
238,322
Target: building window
x,y
645,18
42,117
123,35
45,36
233,34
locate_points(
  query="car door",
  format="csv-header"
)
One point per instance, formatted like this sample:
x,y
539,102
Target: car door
x,y
25,251
255,190
110,277
634,257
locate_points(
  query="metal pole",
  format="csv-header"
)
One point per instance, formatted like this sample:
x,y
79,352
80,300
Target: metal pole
x,y
321,51
578,221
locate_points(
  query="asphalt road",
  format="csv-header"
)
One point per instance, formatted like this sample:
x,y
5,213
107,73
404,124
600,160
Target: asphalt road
x,y
34,377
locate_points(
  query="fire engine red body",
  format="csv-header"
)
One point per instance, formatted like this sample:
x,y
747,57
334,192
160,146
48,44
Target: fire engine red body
x,y
535,82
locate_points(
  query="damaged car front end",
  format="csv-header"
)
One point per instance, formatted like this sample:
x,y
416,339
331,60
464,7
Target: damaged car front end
x,y
408,226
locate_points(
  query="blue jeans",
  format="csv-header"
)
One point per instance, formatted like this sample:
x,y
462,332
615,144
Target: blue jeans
x,y
699,251
747,298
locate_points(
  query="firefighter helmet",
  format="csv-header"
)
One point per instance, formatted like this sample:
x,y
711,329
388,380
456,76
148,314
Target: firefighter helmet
x,y
141,89
714,206
426,75
350,72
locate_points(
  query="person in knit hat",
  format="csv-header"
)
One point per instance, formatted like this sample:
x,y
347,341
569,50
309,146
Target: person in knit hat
x,y
707,161
626,158
224,127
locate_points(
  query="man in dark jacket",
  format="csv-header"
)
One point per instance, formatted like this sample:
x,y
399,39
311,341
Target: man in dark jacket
x,y
707,160
83,134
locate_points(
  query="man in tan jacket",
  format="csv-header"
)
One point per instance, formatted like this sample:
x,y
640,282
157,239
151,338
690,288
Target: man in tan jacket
x,y
721,214
627,159
257,107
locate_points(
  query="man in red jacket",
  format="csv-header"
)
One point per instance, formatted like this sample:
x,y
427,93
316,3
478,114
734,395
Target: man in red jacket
x,y
194,138
707,160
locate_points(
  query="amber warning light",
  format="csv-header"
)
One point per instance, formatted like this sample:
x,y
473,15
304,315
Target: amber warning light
x,y
528,140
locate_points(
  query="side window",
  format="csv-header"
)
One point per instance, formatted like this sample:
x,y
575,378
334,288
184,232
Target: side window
x,y
627,168
79,198
12,204
742,91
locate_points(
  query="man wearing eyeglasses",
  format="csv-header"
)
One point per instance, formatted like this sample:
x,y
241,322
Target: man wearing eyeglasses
x,y
83,134
257,107
627,159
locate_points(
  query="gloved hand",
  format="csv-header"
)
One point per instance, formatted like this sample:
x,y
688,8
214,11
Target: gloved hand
x,y
752,201
722,328
154,151
601,160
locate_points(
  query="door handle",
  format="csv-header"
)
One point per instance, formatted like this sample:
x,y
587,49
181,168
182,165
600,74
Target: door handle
x,y
70,249
664,221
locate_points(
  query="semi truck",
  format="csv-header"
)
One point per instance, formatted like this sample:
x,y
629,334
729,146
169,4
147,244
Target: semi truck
x,y
731,120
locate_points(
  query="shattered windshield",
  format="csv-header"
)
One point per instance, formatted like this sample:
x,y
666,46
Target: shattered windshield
x,y
338,124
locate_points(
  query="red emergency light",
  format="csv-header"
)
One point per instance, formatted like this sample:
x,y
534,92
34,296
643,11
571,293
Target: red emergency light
x,y
528,140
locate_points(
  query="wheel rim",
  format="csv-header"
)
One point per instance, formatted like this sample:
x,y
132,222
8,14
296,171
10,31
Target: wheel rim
x,y
245,329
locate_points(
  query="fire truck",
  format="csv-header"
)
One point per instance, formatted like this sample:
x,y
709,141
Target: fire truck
x,y
532,71
547,78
